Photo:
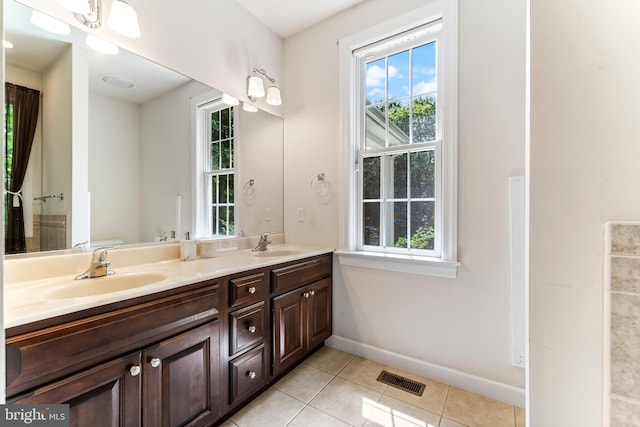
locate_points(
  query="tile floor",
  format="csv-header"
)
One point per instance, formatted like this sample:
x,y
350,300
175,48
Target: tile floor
x,y
333,388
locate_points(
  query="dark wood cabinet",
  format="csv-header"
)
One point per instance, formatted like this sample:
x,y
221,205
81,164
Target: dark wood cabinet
x,y
106,395
181,379
189,356
301,322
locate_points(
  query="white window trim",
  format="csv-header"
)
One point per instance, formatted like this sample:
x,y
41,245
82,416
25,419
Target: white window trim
x,y
446,265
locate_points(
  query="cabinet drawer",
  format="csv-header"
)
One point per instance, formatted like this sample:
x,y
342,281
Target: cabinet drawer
x,y
246,328
37,357
246,290
292,276
247,374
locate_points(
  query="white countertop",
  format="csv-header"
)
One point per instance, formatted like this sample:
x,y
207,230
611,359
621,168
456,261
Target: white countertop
x,y
29,301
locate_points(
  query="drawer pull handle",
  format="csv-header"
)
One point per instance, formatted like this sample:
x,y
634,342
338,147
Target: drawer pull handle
x,y
134,370
251,375
312,293
306,294
155,362
252,290
252,329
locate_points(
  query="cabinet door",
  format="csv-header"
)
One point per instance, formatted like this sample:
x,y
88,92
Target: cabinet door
x,y
107,395
288,329
182,379
318,312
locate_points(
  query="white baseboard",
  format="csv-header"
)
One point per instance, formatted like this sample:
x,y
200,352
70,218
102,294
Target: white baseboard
x,y
485,387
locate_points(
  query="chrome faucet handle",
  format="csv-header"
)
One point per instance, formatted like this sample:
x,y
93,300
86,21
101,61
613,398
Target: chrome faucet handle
x,y
101,253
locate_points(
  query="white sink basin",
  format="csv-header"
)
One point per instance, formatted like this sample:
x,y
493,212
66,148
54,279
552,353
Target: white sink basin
x,y
275,253
103,285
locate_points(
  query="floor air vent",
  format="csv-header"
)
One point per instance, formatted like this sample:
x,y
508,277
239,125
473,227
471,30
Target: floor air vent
x,y
402,383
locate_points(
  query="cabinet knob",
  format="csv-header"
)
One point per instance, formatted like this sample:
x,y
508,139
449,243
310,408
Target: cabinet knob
x,y
312,293
155,362
251,375
134,370
252,329
306,294
252,290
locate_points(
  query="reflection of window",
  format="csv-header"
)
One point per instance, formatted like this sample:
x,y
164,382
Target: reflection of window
x,y
8,153
216,125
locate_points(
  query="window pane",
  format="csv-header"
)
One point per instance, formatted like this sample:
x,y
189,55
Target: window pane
x,y
231,192
215,156
222,189
398,75
215,126
423,173
398,123
371,177
225,154
224,121
376,77
422,222
222,220
424,119
214,220
231,225
424,69
371,223
231,122
214,189
375,128
399,225
396,166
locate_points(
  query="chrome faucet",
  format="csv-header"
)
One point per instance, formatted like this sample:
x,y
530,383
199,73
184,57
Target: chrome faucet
x,y
99,265
262,243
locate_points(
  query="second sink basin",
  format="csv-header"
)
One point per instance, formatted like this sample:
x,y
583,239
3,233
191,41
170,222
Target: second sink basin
x,y
103,285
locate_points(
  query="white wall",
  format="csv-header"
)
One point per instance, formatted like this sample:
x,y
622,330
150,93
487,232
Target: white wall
x,y
464,323
585,146
114,168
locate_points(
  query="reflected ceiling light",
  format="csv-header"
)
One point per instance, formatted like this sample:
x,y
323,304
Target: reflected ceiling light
x,y
100,45
50,24
123,18
75,6
255,87
229,100
248,107
117,81
7,44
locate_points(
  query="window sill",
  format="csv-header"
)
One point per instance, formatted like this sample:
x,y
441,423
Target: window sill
x,y
399,263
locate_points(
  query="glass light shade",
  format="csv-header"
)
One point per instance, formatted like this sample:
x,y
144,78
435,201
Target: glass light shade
x,y
229,100
123,19
248,107
255,87
76,6
7,44
100,45
50,24
273,96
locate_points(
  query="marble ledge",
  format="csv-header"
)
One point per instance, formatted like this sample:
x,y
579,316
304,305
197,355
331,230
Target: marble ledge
x,y
28,300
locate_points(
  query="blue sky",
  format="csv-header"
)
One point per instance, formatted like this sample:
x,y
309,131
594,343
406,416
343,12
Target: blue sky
x,y
423,79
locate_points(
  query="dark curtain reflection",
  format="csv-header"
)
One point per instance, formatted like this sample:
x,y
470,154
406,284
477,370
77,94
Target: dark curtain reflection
x,y
21,116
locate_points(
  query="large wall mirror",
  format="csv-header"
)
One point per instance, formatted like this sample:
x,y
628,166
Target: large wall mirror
x,y
112,164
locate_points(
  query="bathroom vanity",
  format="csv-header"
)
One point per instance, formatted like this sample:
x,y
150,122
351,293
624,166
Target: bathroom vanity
x,y
188,349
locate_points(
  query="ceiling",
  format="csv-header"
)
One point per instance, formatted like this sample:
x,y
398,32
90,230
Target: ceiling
x,y
287,17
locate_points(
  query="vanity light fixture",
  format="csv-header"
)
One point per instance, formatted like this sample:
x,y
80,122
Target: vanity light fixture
x,y
230,100
123,18
101,45
50,24
255,87
249,108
